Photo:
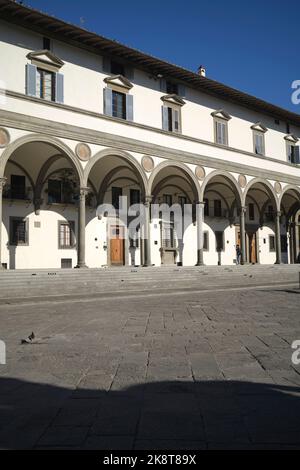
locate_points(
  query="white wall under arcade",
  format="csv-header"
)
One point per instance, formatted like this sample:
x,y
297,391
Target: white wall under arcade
x,y
42,250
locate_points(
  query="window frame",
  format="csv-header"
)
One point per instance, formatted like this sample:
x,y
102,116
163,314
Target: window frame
x,y
272,250
41,72
261,134
25,220
71,225
223,121
115,94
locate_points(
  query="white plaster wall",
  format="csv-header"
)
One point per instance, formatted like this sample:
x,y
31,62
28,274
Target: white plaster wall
x,y
42,251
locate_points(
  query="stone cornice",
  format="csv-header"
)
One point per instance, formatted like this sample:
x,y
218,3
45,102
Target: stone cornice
x,y
74,109
76,133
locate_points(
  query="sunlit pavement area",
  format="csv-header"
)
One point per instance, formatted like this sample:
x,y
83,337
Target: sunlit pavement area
x,y
208,370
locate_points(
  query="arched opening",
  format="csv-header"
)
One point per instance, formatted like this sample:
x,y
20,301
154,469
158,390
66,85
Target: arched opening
x,y
39,204
119,182
261,205
173,232
221,229
290,208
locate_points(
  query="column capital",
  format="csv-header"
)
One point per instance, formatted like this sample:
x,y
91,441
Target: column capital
x,y
83,191
243,210
200,203
278,213
148,199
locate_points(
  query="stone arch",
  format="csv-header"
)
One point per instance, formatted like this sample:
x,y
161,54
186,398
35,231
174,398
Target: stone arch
x,y
269,188
40,138
288,188
108,180
134,164
229,177
184,168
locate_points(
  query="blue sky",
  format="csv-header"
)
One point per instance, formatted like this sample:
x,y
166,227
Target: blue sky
x,y
250,45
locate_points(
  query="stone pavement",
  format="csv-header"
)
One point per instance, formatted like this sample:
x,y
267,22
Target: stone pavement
x,y
206,370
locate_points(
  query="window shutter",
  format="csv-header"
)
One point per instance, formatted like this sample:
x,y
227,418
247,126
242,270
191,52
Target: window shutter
x,y
129,73
296,154
181,90
165,125
106,65
30,79
107,101
59,88
163,85
129,107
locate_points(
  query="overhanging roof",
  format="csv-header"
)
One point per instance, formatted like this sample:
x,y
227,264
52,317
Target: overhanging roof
x,y
52,27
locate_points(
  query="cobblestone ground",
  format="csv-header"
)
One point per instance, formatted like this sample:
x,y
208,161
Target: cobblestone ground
x,y
199,371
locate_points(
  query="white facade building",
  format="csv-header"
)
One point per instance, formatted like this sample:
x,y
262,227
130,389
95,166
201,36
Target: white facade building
x,y
84,120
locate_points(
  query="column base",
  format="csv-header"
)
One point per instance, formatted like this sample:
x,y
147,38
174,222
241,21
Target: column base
x,y
199,264
80,266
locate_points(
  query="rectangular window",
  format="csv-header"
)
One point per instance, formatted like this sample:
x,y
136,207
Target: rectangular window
x,y
206,208
167,199
221,133
45,85
259,143
171,119
54,191
117,69
17,187
271,243
118,105
116,193
219,241
46,44
251,211
293,153
135,196
18,231
269,214
205,241
66,234
217,208
172,88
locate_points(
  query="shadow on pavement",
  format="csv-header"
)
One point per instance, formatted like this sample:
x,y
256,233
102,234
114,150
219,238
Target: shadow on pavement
x,y
160,415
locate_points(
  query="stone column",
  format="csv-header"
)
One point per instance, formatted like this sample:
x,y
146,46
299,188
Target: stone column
x,y
146,232
243,235
2,184
277,237
81,229
200,239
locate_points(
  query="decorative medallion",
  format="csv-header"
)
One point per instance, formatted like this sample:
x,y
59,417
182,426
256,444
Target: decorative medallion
x,y
200,172
4,137
83,152
147,163
277,187
242,181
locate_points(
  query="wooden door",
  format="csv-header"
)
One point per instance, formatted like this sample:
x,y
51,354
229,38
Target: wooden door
x,y
252,248
116,245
